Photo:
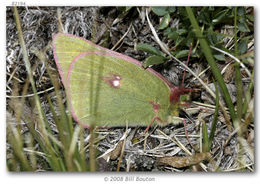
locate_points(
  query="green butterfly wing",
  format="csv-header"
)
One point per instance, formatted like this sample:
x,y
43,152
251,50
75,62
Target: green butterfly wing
x,y
66,47
127,92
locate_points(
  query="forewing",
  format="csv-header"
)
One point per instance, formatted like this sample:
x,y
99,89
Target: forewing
x,y
66,47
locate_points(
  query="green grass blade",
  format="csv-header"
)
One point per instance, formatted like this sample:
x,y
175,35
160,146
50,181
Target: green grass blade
x,y
215,119
238,78
247,97
46,145
208,54
16,141
205,135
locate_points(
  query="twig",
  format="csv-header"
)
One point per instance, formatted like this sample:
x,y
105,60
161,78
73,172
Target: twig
x,y
12,76
31,95
176,141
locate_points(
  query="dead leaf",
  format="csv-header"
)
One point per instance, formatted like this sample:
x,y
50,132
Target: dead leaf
x,y
229,73
179,162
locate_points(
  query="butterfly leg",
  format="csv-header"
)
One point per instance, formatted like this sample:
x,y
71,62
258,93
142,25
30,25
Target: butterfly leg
x,y
186,133
154,118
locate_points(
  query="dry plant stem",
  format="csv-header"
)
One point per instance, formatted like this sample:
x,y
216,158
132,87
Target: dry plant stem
x,y
123,149
72,147
224,69
176,141
96,140
187,62
94,27
12,76
92,154
187,68
239,168
119,41
146,135
236,59
44,155
31,95
81,147
202,72
206,105
60,26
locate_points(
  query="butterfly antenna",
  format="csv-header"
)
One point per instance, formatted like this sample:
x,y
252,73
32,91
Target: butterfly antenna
x,y
187,62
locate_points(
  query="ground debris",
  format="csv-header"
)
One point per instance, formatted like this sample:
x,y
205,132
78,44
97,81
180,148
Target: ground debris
x,y
180,161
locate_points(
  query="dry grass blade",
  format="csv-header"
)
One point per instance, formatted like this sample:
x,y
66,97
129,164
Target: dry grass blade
x,y
119,41
236,59
123,148
31,95
176,141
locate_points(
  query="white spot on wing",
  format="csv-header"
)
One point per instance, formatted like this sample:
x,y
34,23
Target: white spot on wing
x,y
116,83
